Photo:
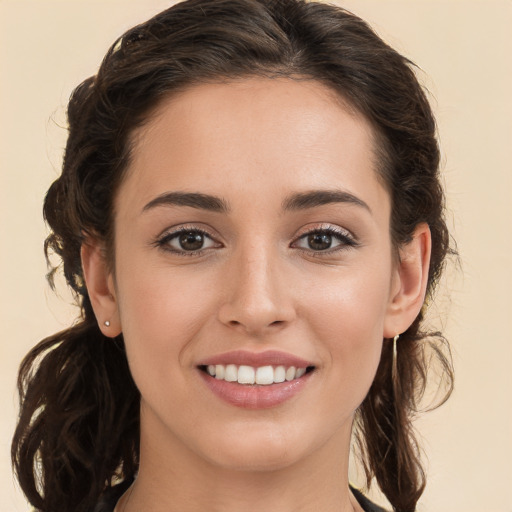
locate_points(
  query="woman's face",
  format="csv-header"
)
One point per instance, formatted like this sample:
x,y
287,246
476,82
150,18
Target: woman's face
x,y
252,231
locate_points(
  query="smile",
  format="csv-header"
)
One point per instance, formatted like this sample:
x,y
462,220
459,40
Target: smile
x,y
251,380
261,375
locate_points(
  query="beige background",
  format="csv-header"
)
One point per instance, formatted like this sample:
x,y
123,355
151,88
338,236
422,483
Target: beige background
x,y
464,48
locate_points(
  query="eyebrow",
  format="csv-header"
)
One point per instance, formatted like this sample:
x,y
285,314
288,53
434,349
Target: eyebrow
x,y
313,198
297,201
190,199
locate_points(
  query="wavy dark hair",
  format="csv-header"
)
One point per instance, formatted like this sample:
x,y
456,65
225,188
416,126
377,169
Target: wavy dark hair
x,y
78,429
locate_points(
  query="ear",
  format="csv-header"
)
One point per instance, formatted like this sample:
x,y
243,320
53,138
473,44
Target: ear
x,y
409,282
100,287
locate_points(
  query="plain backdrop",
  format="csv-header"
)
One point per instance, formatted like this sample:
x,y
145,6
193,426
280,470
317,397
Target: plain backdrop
x,y
463,48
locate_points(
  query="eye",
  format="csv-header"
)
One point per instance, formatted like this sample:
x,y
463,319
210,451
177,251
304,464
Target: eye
x,y
325,239
187,241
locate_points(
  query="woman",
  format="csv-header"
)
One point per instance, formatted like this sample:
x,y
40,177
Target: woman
x,y
251,217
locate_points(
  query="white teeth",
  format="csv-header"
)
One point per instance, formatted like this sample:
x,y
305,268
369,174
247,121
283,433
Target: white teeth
x,y
219,371
279,374
300,372
262,375
265,375
290,373
231,373
246,375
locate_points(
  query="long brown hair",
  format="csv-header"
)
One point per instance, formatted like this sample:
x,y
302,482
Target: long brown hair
x,y
78,430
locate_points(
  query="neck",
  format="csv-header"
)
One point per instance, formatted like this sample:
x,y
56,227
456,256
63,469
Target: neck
x,y
172,478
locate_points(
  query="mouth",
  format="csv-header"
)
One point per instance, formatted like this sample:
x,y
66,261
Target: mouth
x,y
267,375
256,380
251,380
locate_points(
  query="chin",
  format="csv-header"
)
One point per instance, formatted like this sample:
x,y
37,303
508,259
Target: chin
x,y
262,449
255,459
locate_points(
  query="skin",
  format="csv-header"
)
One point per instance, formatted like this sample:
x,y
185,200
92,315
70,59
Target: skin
x,y
256,285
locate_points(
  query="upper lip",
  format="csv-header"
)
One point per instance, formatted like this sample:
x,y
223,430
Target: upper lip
x,y
256,359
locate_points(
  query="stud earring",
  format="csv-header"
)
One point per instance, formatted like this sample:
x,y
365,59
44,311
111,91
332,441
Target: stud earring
x,y
107,323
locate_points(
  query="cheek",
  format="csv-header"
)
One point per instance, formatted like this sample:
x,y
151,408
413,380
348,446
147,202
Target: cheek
x,y
161,313
352,301
161,317
347,317
160,299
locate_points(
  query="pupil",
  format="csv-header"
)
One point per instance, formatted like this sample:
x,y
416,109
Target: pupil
x,y
320,242
191,241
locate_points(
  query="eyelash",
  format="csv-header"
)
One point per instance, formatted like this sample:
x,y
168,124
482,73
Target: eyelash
x,y
346,239
163,241
343,236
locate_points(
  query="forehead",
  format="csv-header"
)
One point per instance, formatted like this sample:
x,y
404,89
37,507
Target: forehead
x,y
252,133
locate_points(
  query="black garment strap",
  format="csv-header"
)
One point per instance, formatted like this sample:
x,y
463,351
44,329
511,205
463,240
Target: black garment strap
x,y
367,505
111,496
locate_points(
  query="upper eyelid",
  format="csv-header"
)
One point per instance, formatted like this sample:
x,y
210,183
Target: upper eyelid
x,y
327,227
175,230
165,237
346,238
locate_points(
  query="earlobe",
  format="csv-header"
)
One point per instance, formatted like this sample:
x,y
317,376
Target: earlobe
x,y
412,277
100,287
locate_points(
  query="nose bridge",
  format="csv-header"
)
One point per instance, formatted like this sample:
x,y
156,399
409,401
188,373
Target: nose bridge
x,y
257,295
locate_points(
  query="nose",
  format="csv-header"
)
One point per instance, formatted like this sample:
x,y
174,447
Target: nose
x,y
257,297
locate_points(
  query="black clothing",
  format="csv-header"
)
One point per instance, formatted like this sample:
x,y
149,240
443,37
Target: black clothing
x,y
367,505
109,500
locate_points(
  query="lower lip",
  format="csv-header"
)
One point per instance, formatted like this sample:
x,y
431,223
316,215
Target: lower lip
x,y
254,396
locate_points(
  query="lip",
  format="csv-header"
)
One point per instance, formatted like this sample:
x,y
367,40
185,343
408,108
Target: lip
x,y
255,396
267,358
